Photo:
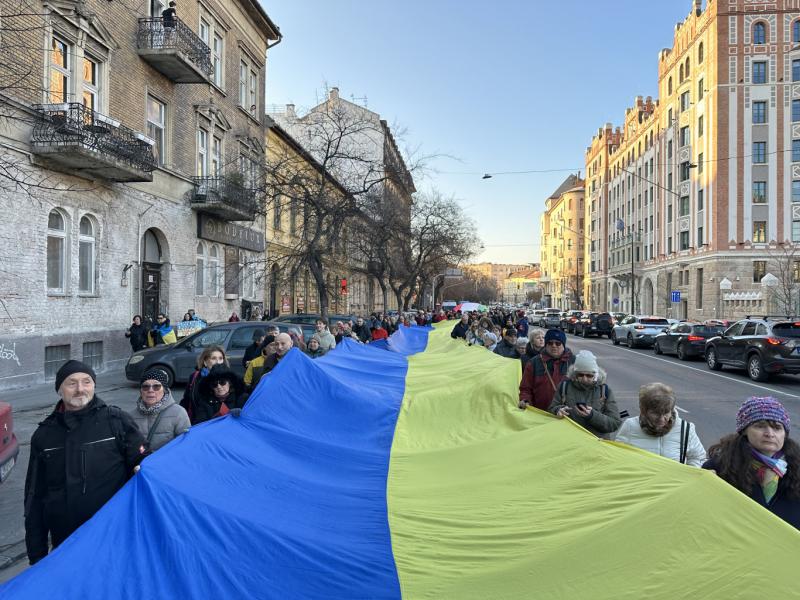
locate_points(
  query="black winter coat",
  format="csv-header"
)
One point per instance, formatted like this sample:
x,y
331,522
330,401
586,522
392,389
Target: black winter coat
x,y
252,351
460,331
787,509
137,335
362,332
503,348
78,462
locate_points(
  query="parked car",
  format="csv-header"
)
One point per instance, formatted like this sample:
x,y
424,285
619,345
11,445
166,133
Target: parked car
x,y
9,446
178,361
551,320
618,316
568,322
638,330
594,323
685,340
761,346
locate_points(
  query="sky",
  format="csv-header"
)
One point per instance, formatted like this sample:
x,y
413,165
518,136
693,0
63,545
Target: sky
x,y
482,87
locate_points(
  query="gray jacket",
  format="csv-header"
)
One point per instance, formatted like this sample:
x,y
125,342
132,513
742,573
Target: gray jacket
x,y
604,419
174,422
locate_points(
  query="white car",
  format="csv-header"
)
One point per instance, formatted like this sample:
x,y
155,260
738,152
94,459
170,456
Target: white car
x,y
638,330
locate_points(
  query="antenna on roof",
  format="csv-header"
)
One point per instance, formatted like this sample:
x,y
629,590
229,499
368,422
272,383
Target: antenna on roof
x,y
362,100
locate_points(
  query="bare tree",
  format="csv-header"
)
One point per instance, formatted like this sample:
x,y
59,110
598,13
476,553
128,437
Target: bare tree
x,y
784,264
473,285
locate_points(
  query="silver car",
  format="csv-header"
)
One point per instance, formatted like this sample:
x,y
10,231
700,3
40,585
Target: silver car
x,y
638,330
551,319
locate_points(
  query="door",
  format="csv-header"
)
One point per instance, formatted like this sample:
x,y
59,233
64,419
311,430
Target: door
x,y
668,342
741,342
151,286
725,343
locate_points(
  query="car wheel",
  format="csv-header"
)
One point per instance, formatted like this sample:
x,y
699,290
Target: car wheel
x,y
585,335
755,368
711,360
166,371
630,341
657,348
613,338
680,351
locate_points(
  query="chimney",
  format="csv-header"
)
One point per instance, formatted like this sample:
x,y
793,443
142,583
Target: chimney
x,y
333,94
290,111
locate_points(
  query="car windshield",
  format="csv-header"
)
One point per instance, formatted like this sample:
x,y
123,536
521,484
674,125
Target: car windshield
x,y
709,330
653,321
206,338
790,330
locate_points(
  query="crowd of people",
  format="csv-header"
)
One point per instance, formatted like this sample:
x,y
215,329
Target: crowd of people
x,y
86,450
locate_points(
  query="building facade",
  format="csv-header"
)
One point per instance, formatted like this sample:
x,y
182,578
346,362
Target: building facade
x,y
562,245
137,141
696,199
499,272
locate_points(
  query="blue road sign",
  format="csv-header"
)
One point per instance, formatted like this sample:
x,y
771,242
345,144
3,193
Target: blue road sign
x,y
676,295
615,301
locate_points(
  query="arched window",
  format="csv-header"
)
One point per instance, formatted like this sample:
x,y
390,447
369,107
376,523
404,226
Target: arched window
x,y
56,252
86,256
213,271
669,86
680,76
688,69
200,269
700,55
759,33
796,31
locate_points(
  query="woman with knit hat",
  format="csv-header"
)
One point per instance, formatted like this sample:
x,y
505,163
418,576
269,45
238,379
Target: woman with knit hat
x,y
585,397
158,416
760,459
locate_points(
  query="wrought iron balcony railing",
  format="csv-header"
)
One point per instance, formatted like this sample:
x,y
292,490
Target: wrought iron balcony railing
x,y
98,145
225,196
177,51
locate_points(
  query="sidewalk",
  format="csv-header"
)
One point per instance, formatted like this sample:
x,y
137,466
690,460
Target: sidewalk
x,y
44,394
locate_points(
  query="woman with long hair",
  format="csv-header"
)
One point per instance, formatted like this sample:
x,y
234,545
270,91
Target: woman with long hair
x,y
213,355
760,459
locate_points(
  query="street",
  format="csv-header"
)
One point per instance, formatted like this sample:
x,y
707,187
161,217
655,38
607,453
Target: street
x,y
708,399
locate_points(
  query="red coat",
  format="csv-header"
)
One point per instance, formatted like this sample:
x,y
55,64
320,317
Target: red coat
x,y
379,334
535,387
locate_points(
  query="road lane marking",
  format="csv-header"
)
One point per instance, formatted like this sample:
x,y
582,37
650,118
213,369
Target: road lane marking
x,y
705,371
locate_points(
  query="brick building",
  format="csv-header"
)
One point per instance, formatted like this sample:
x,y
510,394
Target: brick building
x,y
699,191
145,136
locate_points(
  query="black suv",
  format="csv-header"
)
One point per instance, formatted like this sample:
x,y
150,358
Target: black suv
x,y
685,340
762,346
595,323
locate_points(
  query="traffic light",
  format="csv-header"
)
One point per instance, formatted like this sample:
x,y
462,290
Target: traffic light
x,y
344,287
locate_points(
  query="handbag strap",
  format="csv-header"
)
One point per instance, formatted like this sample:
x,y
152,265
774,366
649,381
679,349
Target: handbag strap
x,y
152,431
685,426
546,372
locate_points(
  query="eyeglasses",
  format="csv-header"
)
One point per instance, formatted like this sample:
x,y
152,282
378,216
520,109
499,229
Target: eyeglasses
x,y
554,343
584,375
222,383
151,386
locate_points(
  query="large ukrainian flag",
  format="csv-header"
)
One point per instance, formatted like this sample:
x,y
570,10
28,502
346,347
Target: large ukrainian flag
x,y
410,473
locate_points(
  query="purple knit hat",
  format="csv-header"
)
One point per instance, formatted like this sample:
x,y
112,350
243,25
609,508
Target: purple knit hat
x,y
764,408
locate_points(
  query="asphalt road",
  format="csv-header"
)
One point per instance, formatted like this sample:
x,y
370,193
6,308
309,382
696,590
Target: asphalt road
x,y
708,399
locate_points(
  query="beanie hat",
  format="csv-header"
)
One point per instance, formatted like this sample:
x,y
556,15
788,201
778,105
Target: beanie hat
x,y
585,362
70,368
156,374
764,408
555,335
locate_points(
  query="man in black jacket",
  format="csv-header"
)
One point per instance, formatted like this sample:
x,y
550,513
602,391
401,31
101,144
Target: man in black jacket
x,y
361,329
507,346
80,456
461,328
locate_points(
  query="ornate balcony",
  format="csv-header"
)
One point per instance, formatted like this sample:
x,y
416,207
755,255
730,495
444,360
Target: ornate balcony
x,y
71,138
176,52
225,197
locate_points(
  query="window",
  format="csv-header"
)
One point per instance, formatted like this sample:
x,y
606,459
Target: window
x,y
700,240
86,250
91,88
669,87
685,103
796,231
795,150
759,232
93,354
156,115
759,112
700,162
199,270
700,126
669,149
749,329
680,75
759,152
684,136
56,251
795,110
669,213
60,67
759,192
202,153
277,217
683,206
213,271
700,200
253,93
293,217
795,191
211,35
759,270
217,54
156,6
796,68
796,32
248,88
684,241
216,156
759,72
243,70
688,67
700,54
684,171
701,90
54,358
670,118
759,33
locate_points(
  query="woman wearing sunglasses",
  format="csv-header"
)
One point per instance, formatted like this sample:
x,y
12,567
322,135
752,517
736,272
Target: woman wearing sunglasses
x,y
158,416
220,392
585,397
